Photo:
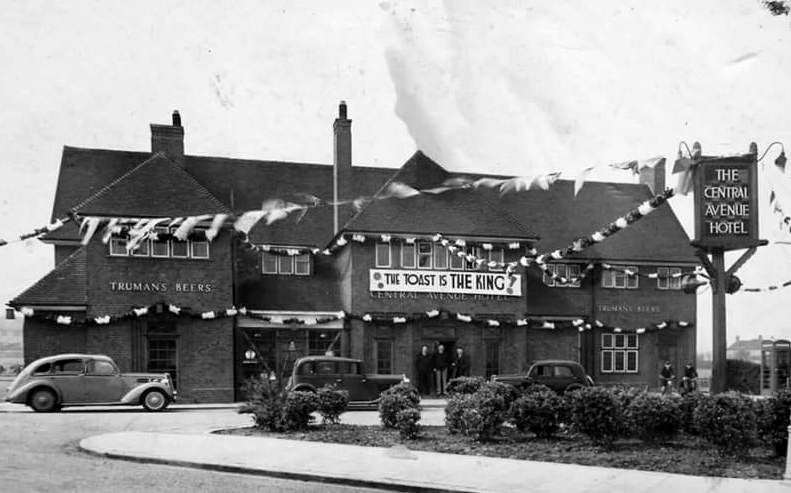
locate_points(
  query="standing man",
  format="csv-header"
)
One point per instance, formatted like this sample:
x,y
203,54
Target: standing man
x,y
440,370
424,364
460,367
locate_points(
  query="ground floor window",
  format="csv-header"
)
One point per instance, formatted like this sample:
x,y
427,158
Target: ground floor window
x,y
384,356
620,353
163,356
492,347
319,342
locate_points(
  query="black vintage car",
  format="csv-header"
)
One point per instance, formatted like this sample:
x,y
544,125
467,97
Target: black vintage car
x,y
559,375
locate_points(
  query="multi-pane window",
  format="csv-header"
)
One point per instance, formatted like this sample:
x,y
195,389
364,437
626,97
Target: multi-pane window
x,y
620,279
472,264
383,255
287,265
457,261
162,356
408,255
664,279
158,247
440,257
492,349
571,272
620,353
424,254
496,255
384,356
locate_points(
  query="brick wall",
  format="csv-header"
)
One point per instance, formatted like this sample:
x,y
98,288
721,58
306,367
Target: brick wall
x,y
46,338
206,362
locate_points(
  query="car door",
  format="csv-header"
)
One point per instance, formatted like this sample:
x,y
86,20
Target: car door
x,y
564,376
103,382
68,376
541,374
356,383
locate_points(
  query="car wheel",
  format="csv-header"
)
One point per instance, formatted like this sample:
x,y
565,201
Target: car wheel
x,y
572,387
44,401
155,400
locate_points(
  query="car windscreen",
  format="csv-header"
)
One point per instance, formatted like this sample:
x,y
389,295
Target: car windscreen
x,y
67,367
541,371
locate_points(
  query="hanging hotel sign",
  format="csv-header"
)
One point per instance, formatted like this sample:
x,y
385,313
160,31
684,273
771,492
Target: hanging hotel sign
x,y
726,203
422,281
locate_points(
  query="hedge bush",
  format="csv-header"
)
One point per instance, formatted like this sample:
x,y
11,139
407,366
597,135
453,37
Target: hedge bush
x,y
728,421
479,415
597,413
654,417
537,411
332,402
407,423
397,398
274,409
465,385
298,410
535,388
688,404
773,416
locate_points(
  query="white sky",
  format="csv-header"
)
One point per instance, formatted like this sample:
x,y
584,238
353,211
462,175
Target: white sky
x,y
515,88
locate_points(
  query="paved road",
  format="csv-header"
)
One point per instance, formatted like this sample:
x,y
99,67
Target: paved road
x,y
39,453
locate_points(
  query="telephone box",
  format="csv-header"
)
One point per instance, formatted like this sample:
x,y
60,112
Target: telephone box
x,y
775,362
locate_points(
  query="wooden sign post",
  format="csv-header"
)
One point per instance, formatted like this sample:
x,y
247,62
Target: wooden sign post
x,y
726,218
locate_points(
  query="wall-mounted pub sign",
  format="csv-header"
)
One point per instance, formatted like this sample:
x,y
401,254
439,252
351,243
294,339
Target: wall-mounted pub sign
x,y
726,202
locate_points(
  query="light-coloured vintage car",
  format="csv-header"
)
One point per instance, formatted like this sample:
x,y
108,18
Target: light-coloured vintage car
x,y
51,383
310,373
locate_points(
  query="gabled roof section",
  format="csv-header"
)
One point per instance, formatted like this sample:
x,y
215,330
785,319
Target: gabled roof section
x,y
465,212
66,284
157,187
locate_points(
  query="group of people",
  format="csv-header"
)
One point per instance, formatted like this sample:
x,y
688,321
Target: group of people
x,y
689,382
434,369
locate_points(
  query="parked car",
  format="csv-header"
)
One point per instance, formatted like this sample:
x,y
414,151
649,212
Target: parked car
x,y
314,372
50,383
559,375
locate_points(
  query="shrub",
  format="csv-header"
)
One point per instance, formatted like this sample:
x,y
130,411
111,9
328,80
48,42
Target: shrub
x,y
332,402
407,423
478,415
535,388
727,421
508,392
465,385
688,404
274,409
537,411
773,416
625,394
597,413
743,376
654,417
397,398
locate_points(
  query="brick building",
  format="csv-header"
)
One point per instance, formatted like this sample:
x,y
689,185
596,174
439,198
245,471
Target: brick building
x,y
399,286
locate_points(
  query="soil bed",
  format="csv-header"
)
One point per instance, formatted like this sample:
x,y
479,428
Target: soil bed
x,y
684,455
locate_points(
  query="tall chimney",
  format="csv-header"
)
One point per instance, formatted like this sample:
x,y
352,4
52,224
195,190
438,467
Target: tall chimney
x,y
169,139
654,177
342,163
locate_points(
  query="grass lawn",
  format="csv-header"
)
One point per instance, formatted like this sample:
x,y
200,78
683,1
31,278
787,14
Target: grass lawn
x,y
685,455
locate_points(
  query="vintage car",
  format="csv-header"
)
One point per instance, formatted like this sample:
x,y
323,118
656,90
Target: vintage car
x,y
559,375
314,372
51,383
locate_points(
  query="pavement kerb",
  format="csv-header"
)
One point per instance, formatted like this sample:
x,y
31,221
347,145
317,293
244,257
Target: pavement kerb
x,y
301,476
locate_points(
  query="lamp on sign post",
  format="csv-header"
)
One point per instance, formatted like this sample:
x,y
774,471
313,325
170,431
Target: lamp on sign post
x,y
726,218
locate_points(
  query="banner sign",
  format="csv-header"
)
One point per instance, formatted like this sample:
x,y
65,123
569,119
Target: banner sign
x,y
425,281
726,205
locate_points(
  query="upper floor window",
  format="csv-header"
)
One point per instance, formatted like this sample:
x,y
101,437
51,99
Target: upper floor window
x,y
569,271
383,257
287,265
664,279
161,245
496,255
408,255
620,279
424,255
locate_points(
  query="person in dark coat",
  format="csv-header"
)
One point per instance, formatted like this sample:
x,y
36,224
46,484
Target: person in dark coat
x,y
441,364
424,364
460,366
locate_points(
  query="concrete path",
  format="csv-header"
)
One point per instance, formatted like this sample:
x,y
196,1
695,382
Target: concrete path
x,y
398,468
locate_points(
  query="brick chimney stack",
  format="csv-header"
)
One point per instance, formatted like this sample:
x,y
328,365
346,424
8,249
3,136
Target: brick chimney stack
x,y
169,139
654,177
342,163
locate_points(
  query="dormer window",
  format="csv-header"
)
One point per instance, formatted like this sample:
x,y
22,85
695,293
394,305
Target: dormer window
x,y
162,245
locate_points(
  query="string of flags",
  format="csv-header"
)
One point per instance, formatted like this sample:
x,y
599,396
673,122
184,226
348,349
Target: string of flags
x,y
381,319
53,226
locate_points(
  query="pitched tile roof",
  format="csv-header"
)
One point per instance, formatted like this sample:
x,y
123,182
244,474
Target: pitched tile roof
x,y
66,284
156,187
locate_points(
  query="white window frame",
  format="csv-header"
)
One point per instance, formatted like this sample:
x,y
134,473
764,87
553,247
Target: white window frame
x,y
192,247
440,252
569,271
429,255
281,265
620,346
498,255
272,256
302,259
377,260
143,249
160,230
116,241
454,257
177,242
474,251
617,279
405,255
664,281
